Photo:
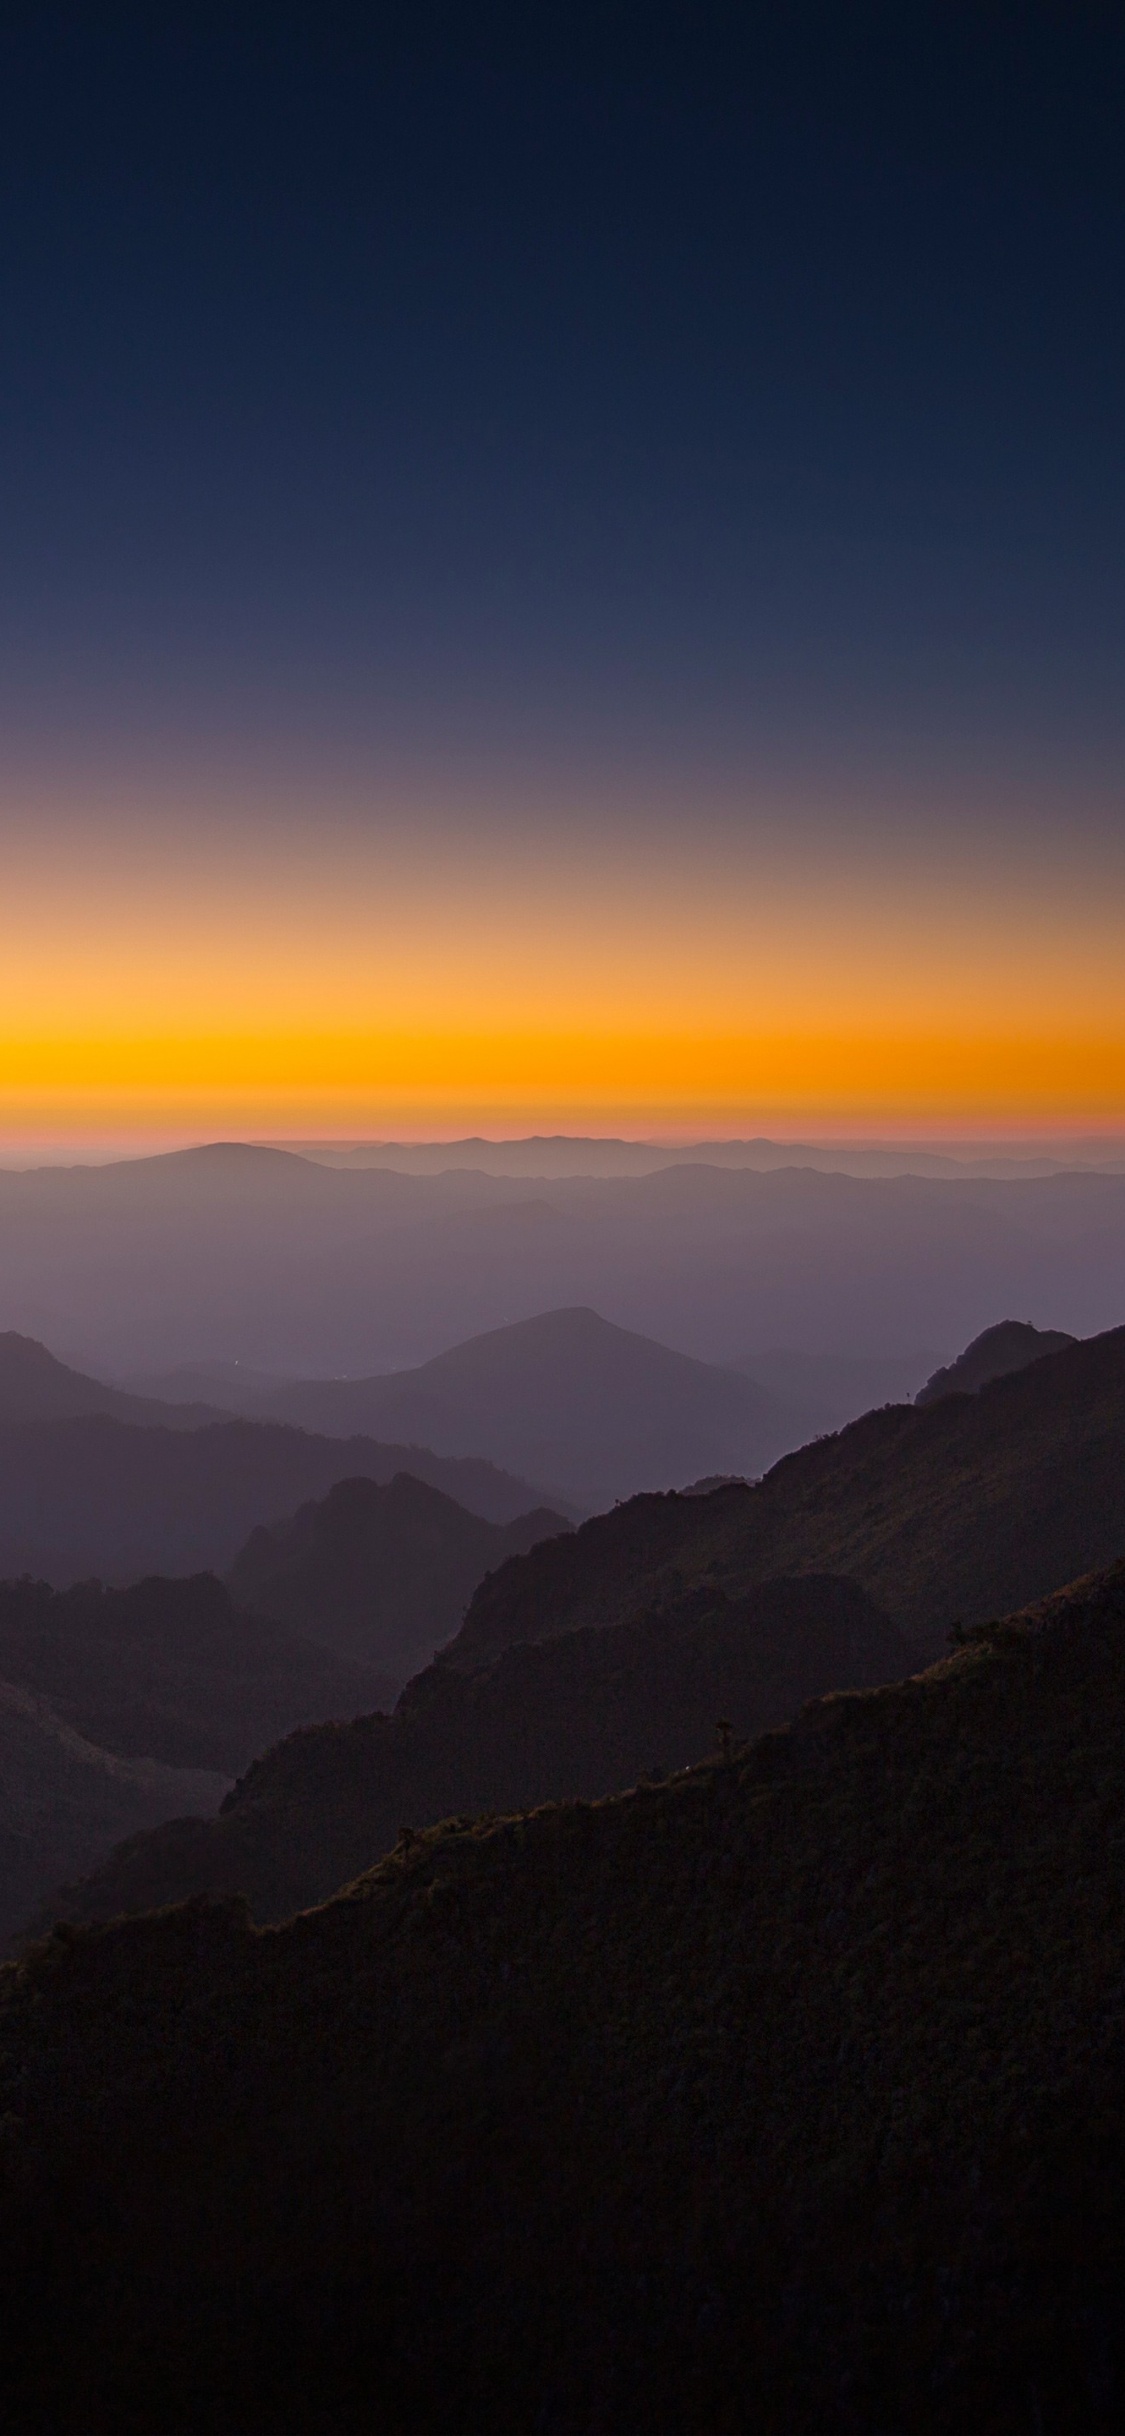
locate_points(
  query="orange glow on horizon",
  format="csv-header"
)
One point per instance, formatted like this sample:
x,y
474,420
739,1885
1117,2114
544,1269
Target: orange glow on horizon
x,y
343,1082
326,979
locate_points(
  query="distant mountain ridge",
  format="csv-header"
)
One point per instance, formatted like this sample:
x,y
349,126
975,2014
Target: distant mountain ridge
x,y
34,1386
565,1397
275,1262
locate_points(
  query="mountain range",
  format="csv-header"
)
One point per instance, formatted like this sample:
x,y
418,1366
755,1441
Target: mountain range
x,y
939,1516
94,1496
790,2085
36,1386
253,1255
951,1511
586,1713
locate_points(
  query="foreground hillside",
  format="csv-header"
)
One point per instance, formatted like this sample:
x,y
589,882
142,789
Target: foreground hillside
x,y
786,2093
953,1511
585,1714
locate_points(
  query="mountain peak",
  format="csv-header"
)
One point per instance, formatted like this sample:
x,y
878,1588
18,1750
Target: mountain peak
x,y
1009,1345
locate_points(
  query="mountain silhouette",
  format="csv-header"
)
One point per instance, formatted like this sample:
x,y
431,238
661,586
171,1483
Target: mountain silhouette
x,y
1011,1345
64,1802
278,1263
96,1496
957,1510
584,1714
378,1573
788,2087
173,1671
566,1397
939,1515
36,1387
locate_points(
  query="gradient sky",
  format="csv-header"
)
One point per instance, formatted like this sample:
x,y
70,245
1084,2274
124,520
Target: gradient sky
x,y
561,567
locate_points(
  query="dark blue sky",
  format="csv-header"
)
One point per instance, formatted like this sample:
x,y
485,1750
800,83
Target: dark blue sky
x,y
692,384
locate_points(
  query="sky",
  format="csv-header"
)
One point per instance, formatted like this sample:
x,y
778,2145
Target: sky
x,y
561,569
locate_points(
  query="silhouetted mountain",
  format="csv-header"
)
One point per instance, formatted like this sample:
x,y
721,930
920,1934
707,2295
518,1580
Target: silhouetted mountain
x,y
786,2093
585,1714
941,1515
1011,1345
100,1497
35,1387
64,1803
382,1574
961,1509
272,1261
564,1397
552,1155
170,1670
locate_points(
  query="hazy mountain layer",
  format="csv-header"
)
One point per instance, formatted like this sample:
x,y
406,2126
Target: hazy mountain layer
x,y
564,1397
598,1155
101,1497
585,1714
172,1671
36,1387
379,1574
959,1509
294,1267
790,2085
64,1802
942,1514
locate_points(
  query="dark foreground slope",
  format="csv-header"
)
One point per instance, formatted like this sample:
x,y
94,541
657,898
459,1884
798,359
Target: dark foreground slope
x,y
97,1496
785,2095
381,1573
586,1714
962,1509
